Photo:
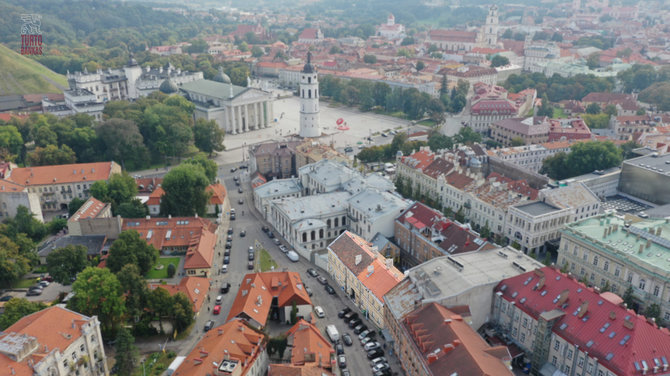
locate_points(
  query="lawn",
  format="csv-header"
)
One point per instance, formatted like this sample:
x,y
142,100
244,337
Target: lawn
x,y
155,364
24,283
427,122
265,261
559,113
162,273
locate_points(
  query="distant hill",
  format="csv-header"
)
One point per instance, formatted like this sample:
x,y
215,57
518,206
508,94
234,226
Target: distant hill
x,y
22,75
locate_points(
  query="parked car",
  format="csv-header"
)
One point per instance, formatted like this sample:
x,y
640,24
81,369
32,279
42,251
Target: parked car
x,y
240,190
230,230
219,299
283,248
346,338
343,312
363,334
240,201
345,372
379,360
342,361
381,367
360,328
322,280
233,169
209,325
276,241
366,340
330,290
384,134
250,249
339,349
229,238
265,229
229,245
217,309
250,265
244,167
292,256
48,278
44,283
371,346
251,256
271,234
309,291
232,216
224,269
376,353
226,260
312,272
243,234
355,322
350,316
319,312
37,287
6,298
225,287
35,292
348,149
226,252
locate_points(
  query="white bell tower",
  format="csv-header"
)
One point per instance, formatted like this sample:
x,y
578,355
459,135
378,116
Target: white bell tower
x,y
309,100
491,27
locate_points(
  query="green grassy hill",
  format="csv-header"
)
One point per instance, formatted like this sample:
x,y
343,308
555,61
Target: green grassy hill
x,y
22,75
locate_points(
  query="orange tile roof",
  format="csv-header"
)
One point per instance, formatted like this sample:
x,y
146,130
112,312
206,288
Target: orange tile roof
x,y
218,193
419,159
234,340
68,173
8,186
310,347
291,370
155,196
382,279
257,290
54,328
201,254
195,288
91,208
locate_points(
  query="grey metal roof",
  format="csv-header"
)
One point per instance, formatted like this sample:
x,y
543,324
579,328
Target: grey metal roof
x,y
537,208
212,89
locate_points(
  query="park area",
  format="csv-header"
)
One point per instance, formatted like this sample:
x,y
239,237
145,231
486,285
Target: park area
x,y
160,270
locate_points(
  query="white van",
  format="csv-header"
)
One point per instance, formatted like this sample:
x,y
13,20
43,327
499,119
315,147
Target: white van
x,y
292,256
333,334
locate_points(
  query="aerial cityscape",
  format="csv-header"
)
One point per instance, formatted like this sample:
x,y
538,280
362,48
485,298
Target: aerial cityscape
x,y
334,188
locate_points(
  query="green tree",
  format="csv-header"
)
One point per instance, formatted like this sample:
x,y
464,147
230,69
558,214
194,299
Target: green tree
x,y
653,311
407,41
485,231
546,108
294,313
64,263
161,304
51,155
517,141
593,109
74,205
25,222
208,137
171,270
499,61
130,248
55,225
181,312
444,86
420,65
17,308
584,157
197,46
256,51
209,166
133,209
126,353
135,289
438,141
123,142
98,292
610,110
627,149
628,297
599,121
120,188
11,142
593,61
335,50
467,136
185,191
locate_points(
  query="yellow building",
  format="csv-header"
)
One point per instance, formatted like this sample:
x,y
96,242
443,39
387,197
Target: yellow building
x,y
363,273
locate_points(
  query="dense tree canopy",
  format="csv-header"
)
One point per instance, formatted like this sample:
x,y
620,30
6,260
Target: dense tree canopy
x,y
208,137
558,88
98,292
130,248
64,263
185,191
584,157
16,308
118,190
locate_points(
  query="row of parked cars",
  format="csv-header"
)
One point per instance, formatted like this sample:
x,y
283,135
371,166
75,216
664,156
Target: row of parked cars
x,y
374,350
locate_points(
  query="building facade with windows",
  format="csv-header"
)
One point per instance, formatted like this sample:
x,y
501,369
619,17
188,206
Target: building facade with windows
x,y
533,224
619,252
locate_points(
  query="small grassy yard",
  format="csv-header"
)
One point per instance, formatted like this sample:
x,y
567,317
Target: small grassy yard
x,y
559,113
427,122
155,364
265,261
24,283
161,273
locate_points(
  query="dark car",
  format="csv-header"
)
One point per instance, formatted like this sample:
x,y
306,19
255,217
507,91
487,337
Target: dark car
x,y
271,234
240,190
345,372
229,245
243,234
342,361
233,169
312,272
250,265
265,228
339,348
230,230
229,238
360,328
348,149
376,353
209,325
226,252
251,256
343,312
38,287
309,291
322,280
237,183
350,316
243,167
35,292
225,287
355,322
232,216
330,290
346,338
226,260
5,298
240,201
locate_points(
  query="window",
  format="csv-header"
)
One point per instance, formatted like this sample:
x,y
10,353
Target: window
x,y
582,271
525,322
643,283
514,332
557,345
600,373
523,337
81,348
606,266
589,368
569,354
629,279
554,360
567,370
657,290
585,257
581,362
595,260
74,356
593,276
666,317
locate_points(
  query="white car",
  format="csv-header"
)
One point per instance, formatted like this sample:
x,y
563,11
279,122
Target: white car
x,y
293,256
283,248
224,269
319,312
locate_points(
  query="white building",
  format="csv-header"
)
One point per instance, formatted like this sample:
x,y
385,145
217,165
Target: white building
x,y
489,35
391,30
373,211
533,224
13,195
235,109
274,190
574,196
56,342
309,100
537,55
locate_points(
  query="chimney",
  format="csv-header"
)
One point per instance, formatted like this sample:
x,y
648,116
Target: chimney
x,y
196,215
169,216
658,231
583,309
148,217
612,315
220,332
641,248
648,243
226,355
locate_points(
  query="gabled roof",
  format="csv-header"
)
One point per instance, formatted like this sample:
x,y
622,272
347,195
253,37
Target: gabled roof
x,y
234,341
380,277
309,346
60,174
446,342
218,192
353,251
212,89
90,209
195,288
419,159
616,336
257,290
8,186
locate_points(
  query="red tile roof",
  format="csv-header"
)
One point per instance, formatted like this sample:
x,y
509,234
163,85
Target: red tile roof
x,y
453,35
195,288
218,193
568,129
90,209
234,341
310,347
585,315
257,290
59,174
446,342
419,159
8,186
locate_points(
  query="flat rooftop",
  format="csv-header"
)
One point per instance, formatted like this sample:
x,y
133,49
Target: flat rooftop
x,y
623,204
297,208
628,238
278,187
652,162
537,208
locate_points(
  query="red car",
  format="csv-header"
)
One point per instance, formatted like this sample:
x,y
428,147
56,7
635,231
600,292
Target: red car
x,y
217,309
